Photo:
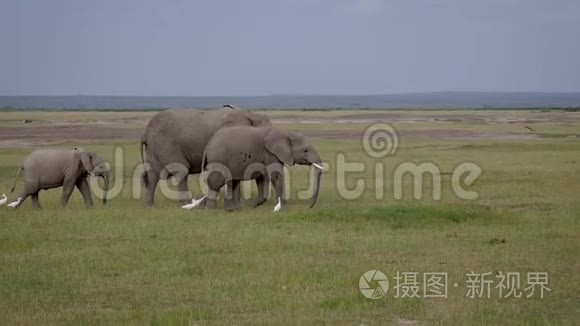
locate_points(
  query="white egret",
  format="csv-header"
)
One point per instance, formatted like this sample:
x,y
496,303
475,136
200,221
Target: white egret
x,y
194,203
278,206
15,204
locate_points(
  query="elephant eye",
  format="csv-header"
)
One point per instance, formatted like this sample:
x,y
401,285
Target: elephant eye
x,y
305,151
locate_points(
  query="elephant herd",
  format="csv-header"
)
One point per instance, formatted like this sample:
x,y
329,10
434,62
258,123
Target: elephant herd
x,y
229,144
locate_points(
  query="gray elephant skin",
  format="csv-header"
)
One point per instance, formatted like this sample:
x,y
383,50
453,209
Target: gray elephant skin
x,y
52,168
174,142
250,153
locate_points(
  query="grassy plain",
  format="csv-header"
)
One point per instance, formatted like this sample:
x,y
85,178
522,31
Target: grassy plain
x,y
127,264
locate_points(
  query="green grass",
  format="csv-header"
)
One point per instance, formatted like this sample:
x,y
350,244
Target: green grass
x,y
127,264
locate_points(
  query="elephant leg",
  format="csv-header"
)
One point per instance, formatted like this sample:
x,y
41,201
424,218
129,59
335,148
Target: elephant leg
x,y
233,201
212,196
29,190
35,202
67,189
150,186
237,194
83,187
277,178
228,195
215,181
262,182
184,196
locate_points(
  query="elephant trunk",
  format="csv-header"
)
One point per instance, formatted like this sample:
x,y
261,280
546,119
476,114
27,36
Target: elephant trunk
x,y
317,176
106,179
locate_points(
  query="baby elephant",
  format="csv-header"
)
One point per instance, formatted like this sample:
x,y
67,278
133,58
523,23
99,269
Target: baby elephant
x,y
254,153
46,169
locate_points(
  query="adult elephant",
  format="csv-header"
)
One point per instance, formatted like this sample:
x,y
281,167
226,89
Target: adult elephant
x,y
174,141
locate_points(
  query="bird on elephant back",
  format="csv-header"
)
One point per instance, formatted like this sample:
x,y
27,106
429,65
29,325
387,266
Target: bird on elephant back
x,y
174,141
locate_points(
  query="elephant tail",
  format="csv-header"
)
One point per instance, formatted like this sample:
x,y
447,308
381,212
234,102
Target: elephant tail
x,y
16,179
203,161
142,147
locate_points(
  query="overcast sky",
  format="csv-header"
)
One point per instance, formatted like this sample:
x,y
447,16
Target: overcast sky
x,y
262,47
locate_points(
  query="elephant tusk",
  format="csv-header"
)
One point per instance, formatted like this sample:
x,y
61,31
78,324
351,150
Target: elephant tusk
x,y
3,200
318,166
278,206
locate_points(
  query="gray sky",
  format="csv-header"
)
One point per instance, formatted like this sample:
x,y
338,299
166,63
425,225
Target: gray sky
x,y
260,47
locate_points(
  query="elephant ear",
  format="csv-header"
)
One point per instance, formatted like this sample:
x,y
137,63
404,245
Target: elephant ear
x,y
87,161
259,120
236,118
278,143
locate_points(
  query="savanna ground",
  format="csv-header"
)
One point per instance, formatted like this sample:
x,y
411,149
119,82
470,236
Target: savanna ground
x,y
127,264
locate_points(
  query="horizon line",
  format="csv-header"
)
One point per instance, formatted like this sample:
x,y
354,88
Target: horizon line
x,y
302,95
